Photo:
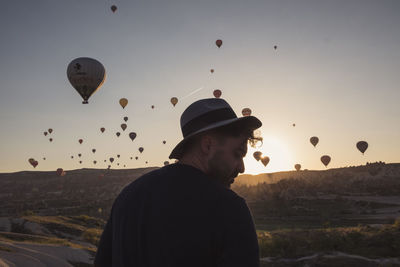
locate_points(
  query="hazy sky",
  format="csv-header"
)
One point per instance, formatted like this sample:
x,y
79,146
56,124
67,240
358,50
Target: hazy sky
x,y
335,75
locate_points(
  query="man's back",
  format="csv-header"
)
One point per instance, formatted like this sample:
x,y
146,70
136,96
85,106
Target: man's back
x,y
177,216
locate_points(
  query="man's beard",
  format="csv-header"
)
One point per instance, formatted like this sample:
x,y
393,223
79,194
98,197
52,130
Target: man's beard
x,y
217,170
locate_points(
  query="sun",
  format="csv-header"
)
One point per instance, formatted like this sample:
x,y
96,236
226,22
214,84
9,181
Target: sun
x,y
278,152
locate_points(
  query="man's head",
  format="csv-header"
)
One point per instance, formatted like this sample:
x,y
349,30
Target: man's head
x,y
215,139
220,152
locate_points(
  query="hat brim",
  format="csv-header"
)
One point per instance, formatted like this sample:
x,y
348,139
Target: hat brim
x,y
249,122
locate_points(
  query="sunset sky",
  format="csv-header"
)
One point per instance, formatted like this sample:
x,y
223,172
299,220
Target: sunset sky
x,y
335,74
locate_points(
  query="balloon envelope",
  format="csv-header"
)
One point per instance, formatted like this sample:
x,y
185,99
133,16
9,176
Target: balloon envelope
x,y
246,112
257,155
123,102
118,134
50,130
59,171
45,133
86,75
80,141
297,167
218,43
125,119
362,146
174,101
314,140
111,160
94,150
265,160
132,135
102,129
113,8
141,149
33,162
212,70
217,93
123,126
325,160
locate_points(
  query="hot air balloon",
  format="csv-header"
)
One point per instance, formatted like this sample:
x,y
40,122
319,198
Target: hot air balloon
x,y
125,119
105,160
136,158
94,150
102,129
117,164
152,106
79,155
141,149
72,157
118,134
164,142
325,160
45,133
146,162
118,156
246,112
111,160
44,158
275,47
94,162
314,140
257,155
113,8
218,43
51,139
174,101
80,162
294,124
131,158
123,126
362,146
80,141
59,171
212,70
166,163
86,75
124,165
265,160
50,130
33,162
123,102
217,93
132,135
109,166
297,167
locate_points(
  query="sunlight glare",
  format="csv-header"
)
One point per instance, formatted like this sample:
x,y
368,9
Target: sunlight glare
x,y
276,150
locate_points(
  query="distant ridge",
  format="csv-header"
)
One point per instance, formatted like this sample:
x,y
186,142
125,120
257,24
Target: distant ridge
x,y
370,170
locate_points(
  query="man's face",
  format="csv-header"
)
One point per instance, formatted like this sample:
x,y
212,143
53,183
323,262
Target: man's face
x,y
226,159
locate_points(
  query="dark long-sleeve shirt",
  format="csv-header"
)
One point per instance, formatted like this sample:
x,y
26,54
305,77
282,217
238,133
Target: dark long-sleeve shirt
x,y
177,216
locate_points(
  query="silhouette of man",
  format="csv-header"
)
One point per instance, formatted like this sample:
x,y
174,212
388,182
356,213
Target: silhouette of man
x,y
185,214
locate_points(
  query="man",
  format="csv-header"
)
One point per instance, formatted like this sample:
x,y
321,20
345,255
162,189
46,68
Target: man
x,y
184,214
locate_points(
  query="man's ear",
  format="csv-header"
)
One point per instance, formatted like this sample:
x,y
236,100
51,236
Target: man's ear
x,y
206,143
